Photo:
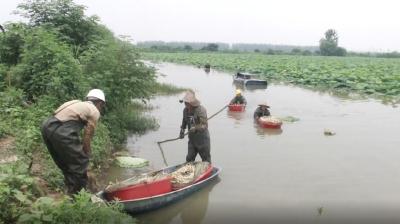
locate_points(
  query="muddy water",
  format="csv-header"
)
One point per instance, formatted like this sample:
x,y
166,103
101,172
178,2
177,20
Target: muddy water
x,y
297,173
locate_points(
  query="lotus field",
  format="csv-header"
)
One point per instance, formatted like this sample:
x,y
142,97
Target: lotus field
x,y
374,77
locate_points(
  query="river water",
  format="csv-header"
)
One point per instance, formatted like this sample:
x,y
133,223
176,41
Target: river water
x,y
294,174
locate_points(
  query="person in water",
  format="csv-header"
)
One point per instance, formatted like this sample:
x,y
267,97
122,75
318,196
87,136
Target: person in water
x,y
262,110
195,120
239,98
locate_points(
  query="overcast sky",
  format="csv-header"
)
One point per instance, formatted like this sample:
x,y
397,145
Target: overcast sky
x,y
369,25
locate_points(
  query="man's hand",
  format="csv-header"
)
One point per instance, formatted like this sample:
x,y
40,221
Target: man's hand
x,y
87,137
192,129
182,133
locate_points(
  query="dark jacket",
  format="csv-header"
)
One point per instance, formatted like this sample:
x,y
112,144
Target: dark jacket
x,y
238,99
259,113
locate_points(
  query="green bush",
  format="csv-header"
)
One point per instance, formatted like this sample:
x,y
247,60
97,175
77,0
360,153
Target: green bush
x,y
17,191
48,68
80,210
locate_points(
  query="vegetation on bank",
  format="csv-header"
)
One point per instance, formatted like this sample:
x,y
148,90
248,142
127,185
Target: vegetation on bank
x,y
374,77
58,55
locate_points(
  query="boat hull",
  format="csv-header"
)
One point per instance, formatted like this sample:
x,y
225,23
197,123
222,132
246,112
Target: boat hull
x,y
151,203
237,107
268,124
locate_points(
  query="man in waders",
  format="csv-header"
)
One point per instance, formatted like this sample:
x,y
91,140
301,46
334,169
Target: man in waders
x,y
61,135
195,119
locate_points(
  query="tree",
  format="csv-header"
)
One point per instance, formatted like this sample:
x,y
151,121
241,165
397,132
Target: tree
x,y
296,51
66,17
47,67
210,47
11,43
187,48
329,45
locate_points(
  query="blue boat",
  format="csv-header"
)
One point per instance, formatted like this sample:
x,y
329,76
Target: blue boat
x,y
248,79
141,205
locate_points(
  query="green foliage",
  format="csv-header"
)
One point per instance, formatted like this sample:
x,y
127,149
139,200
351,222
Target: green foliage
x,y
3,76
167,89
80,210
47,68
371,76
101,145
126,119
11,43
65,16
17,191
210,47
114,66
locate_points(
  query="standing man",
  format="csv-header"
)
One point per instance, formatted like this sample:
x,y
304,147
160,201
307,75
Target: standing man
x,y
195,119
262,110
61,135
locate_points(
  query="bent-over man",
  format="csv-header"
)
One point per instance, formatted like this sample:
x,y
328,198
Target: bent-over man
x,y
61,134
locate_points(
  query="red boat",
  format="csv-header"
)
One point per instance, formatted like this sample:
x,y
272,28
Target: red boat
x,y
237,107
269,122
150,184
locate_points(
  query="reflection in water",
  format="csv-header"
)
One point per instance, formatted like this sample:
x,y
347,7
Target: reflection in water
x,y
190,210
236,115
249,88
266,131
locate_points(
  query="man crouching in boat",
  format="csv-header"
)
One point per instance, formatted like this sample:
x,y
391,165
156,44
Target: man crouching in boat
x,y
262,110
195,119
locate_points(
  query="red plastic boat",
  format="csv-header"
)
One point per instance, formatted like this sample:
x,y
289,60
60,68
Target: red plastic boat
x,y
269,122
136,206
237,107
149,184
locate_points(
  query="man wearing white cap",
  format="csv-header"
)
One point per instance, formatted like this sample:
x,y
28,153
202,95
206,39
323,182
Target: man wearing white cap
x,y
195,119
61,135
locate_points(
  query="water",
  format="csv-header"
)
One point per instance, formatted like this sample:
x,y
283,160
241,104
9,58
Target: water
x,y
297,173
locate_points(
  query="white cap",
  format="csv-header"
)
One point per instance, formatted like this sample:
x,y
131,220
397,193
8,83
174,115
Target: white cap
x,y
97,93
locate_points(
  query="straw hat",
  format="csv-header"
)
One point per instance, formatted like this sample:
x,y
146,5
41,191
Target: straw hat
x,y
191,99
263,104
238,92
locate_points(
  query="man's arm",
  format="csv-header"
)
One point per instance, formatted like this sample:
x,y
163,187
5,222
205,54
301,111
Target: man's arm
x,y
88,133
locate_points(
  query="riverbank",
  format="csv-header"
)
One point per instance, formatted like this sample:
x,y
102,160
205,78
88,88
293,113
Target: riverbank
x,y
28,174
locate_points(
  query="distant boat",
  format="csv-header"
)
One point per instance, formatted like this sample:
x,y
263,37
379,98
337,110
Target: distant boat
x,y
248,79
155,201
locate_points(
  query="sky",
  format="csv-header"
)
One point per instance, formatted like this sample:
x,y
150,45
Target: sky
x,y
369,25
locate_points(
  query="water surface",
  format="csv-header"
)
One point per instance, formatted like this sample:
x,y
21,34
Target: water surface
x,y
296,173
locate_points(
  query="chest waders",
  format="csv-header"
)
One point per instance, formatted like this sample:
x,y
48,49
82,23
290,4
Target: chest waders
x,y
65,147
199,141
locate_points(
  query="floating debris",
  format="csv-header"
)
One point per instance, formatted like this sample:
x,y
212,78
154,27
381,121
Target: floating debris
x,y
289,119
320,210
328,132
131,162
